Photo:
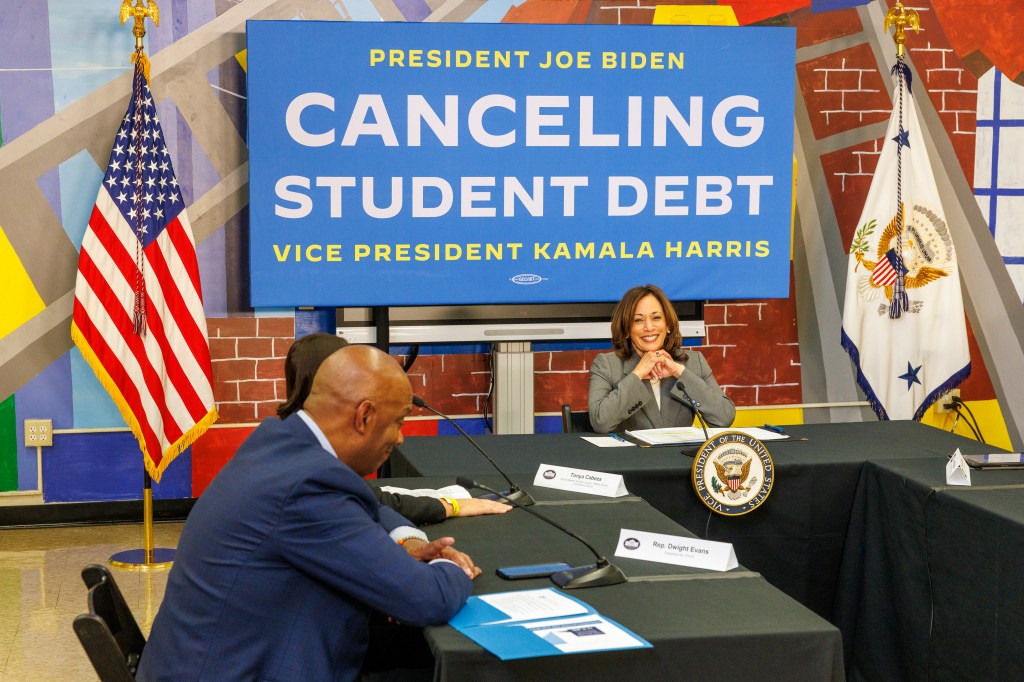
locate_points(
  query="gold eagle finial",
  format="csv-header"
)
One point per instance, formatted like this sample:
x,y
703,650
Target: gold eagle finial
x,y
136,8
140,9
901,18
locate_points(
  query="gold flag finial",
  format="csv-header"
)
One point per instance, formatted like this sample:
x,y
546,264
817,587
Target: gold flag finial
x,y
901,19
140,9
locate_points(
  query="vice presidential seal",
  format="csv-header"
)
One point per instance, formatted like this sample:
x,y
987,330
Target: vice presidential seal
x,y
733,473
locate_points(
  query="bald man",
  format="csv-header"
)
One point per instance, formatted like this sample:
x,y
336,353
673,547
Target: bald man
x,y
285,555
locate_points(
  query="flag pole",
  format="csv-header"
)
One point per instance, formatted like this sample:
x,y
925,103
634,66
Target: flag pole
x,y
148,558
902,260
900,19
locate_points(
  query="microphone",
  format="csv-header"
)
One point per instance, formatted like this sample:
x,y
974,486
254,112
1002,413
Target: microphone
x,y
514,492
592,575
695,406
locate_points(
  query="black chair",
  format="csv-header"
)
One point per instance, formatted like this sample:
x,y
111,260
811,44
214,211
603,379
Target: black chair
x,y
108,633
575,422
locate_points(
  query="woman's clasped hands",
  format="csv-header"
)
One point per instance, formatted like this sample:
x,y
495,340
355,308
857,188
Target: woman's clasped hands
x,y
658,364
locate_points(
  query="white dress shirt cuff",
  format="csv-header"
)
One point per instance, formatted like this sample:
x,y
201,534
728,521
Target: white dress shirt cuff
x,y
449,561
406,532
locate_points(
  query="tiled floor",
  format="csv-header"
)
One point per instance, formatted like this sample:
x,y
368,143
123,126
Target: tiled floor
x,y
41,592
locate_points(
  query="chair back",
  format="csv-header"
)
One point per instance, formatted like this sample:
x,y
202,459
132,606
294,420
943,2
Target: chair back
x,y
575,422
108,632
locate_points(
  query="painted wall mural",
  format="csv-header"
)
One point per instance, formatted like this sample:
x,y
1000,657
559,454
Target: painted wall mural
x,y
64,70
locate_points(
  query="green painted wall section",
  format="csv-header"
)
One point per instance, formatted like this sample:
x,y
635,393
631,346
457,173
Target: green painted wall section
x,y
8,446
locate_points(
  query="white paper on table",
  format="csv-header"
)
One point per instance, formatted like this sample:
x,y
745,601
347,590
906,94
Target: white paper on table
x,y
608,442
585,633
691,435
533,604
456,491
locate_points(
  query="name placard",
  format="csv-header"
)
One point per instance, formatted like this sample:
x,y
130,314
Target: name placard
x,y
673,549
957,471
580,480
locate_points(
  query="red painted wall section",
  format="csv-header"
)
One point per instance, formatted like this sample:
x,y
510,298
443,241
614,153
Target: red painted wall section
x,y
981,34
843,91
455,384
952,88
212,451
561,378
248,365
248,385
848,174
753,349
818,27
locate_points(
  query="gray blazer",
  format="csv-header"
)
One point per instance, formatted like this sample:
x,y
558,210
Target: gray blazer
x,y
618,400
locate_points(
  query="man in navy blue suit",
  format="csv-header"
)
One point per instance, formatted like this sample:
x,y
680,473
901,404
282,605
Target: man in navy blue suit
x,y
286,553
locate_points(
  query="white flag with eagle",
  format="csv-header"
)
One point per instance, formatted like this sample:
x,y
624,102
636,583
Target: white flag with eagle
x,y
903,321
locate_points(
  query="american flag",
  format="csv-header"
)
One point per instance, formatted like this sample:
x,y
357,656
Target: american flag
x,y
138,316
888,269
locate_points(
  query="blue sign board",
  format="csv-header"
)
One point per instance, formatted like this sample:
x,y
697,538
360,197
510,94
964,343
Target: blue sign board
x,y
417,164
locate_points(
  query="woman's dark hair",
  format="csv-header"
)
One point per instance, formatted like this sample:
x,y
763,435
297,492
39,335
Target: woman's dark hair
x,y
300,365
622,321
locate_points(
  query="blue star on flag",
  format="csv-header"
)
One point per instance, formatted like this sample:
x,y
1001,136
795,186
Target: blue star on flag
x,y
911,376
903,139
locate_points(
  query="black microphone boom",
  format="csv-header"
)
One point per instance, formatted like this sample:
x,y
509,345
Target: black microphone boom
x,y
695,406
592,575
514,492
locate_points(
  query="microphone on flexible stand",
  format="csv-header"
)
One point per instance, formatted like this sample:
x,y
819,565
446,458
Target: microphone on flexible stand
x,y
695,406
592,575
514,493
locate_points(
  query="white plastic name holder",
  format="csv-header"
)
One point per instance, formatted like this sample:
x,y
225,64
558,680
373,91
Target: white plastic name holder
x,y
580,481
672,549
957,471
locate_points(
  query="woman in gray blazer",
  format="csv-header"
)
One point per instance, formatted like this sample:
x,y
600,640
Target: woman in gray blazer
x,y
650,381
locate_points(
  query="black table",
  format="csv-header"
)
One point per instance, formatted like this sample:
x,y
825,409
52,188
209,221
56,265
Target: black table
x,y
704,625
796,539
931,585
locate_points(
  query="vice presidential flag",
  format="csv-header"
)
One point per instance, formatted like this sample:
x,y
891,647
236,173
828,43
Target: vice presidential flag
x,y
903,322
138,315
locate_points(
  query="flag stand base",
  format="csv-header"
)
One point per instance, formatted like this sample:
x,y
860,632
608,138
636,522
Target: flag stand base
x,y
148,558
135,559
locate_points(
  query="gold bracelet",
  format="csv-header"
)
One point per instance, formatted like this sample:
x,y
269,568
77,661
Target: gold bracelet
x,y
455,505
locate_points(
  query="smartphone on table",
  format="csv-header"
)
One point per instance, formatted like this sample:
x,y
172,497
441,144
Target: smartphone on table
x,y
531,570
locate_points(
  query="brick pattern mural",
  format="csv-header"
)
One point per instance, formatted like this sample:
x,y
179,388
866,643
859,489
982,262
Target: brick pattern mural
x,y
951,87
562,378
843,91
248,365
751,345
454,383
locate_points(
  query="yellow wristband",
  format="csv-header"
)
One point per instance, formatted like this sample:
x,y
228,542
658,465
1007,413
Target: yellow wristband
x,y
454,503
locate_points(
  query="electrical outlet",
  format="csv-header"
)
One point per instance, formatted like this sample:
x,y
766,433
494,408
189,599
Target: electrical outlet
x,y
38,432
945,399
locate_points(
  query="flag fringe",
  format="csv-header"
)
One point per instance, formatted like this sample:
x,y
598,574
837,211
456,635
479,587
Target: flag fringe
x,y
946,387
851,348
155,471
187,439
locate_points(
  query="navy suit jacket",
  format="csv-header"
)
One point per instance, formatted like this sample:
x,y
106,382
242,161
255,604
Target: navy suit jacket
x,y
619,400
278,567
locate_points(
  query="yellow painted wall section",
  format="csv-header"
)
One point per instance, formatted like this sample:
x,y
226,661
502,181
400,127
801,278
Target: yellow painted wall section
x,y
988,415
695,15
21,301
779,417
